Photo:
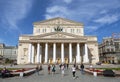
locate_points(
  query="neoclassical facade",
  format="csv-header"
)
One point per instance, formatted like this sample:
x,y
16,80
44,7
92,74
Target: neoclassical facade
x,y
57,40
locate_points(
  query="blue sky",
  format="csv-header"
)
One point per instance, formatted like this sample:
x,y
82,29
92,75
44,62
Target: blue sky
x,y
100,17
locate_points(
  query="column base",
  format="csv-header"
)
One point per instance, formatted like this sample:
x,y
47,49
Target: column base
x,y
86,62
46,63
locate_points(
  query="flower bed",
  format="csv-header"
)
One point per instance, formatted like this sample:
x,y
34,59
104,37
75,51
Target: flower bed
x,y
26,71
22,69
91,71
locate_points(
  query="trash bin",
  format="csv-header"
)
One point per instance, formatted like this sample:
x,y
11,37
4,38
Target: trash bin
x,y
95,74
21,74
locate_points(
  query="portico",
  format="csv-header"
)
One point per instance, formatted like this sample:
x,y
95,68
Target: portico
x,y
58,53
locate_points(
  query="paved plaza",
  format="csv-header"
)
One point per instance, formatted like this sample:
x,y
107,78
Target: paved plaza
x,y
57,77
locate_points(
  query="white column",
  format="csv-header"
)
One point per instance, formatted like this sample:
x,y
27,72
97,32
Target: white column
x,y
46,53
85,57
62,53
70,53
40,57
78,58
54,53
38,53
29,53
32,54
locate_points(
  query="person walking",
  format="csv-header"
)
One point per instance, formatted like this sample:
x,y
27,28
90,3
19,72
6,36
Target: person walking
x,y
60,65
62,70
82,69
37,70
67,65
49,67
53,69
73,71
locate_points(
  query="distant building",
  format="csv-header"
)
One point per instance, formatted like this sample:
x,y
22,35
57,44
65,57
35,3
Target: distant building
x,y
109,50
2,60
9,52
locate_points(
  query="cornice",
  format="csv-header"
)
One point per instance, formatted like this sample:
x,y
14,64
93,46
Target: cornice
x,y
54,33
57,18
54,40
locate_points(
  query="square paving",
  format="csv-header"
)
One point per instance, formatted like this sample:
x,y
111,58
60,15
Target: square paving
x,y
57,77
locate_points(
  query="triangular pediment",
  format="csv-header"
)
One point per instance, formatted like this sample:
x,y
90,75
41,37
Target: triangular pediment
x,y
58,20
57,35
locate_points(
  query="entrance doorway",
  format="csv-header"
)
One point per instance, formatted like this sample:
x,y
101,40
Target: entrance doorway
x,y
58,61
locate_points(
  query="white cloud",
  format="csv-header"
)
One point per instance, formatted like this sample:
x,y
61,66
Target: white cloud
x,y
83,10
107,19
51,16
14,11
56,11
90,29
103,12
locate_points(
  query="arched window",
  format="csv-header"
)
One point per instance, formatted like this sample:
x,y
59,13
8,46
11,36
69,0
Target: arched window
x,y
107,43
111,42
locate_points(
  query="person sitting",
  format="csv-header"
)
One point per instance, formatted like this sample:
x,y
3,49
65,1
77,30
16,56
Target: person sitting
x,y
5,73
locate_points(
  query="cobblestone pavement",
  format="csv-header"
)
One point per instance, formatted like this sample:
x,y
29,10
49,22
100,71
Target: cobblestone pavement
x,y
57,77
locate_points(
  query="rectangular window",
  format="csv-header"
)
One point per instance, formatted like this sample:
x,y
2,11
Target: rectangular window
x,y
108,50
43,30
78,30
71,30
112,50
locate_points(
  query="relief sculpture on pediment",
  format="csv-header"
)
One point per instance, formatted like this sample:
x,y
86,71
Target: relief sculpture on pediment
x,y
58,36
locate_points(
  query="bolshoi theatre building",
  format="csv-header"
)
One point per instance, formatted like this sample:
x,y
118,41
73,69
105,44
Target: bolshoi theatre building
x,y
57,40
